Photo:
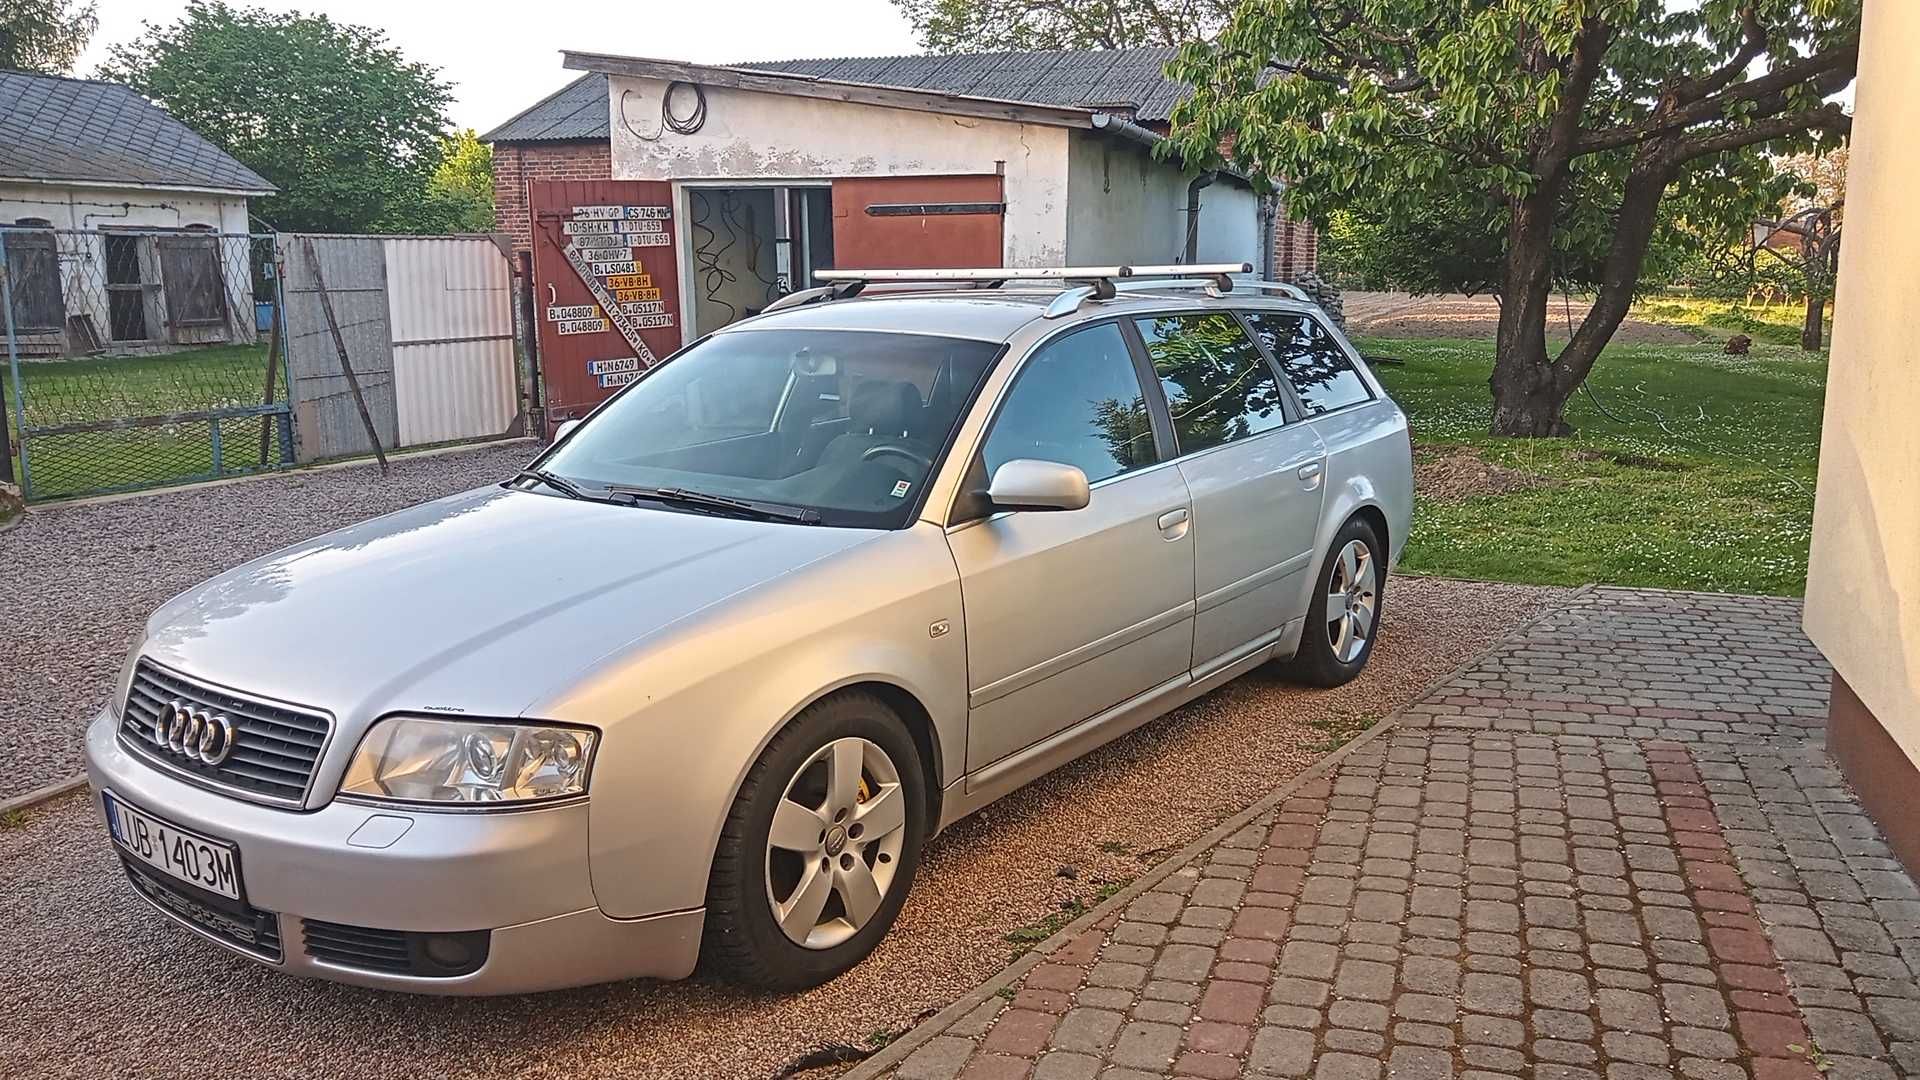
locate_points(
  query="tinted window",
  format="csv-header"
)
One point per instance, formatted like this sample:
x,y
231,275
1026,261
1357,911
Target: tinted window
x,y
1218,386
1078,402
1317,366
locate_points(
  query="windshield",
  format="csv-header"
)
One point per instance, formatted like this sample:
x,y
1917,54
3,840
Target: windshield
x,y
848,424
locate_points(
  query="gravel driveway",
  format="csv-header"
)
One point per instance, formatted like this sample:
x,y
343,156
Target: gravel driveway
x,y
92,984
76,582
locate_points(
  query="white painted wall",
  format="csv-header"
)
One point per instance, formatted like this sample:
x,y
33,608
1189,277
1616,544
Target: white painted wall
x,y
1863,585
83,257
1125,207
757,136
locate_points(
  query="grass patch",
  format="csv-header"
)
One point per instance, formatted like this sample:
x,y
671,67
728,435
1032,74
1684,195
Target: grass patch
x,y
1024,938
1776,324
61,392
1701,478
13,819
1338,731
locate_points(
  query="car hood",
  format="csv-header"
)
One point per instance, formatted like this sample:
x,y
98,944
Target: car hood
x,y
475,603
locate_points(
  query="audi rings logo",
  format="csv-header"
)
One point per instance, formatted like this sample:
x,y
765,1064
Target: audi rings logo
x,y
193,733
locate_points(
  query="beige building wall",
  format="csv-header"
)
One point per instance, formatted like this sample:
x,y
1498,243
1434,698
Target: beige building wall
x,y
1863,587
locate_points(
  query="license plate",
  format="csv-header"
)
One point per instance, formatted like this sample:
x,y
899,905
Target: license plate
x,y
185,856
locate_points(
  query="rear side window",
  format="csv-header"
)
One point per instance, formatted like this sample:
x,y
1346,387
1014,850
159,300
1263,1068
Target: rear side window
x,y
1316,364
1218,386
1077,402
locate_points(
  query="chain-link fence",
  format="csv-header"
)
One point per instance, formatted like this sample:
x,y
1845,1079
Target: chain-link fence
x,y
137,358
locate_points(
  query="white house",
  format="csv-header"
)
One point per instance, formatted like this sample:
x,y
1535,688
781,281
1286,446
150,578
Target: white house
x,y
124,230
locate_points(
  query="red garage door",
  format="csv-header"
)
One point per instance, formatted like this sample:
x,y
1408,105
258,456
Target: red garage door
x,y
917,221
608,293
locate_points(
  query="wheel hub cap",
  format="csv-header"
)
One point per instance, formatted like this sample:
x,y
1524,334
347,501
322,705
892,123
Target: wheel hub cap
x,y
835,841
1353,599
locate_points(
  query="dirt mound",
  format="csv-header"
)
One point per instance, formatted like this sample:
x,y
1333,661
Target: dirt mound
x,y
1452,473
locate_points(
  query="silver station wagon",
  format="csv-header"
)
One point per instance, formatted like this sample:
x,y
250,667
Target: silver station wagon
x,y
699,684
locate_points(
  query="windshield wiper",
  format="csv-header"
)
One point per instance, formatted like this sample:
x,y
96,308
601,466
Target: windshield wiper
x,y
553,480
700,500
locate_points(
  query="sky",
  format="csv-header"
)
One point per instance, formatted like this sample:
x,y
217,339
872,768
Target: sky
x,y
502,57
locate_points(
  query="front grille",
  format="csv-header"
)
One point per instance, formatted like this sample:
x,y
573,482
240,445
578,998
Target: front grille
x,y
397,952
246,928
275,746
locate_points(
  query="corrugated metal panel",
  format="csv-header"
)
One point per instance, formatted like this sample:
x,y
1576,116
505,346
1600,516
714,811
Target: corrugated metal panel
x,y
326,421
450,305
577,110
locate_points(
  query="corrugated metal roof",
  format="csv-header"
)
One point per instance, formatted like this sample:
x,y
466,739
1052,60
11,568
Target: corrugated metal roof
x,y
1115,80
55,128
1076,77
577,110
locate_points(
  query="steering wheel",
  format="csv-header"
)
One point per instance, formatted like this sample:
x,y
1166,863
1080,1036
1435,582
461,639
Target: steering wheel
x,y
915,456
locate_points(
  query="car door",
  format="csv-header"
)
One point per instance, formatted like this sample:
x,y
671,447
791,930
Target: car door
x,y
1255,476
1070,613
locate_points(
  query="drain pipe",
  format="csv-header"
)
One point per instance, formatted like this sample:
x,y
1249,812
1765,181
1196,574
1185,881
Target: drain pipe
x,y
1193,215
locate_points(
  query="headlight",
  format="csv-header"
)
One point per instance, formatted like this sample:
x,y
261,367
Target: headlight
x,y
416,759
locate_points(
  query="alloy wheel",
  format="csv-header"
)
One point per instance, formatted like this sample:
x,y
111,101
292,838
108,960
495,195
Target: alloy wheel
x,y
1353,600
834,847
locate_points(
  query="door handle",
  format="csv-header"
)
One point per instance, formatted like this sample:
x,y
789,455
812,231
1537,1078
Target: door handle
x,y
1174,524
1310,471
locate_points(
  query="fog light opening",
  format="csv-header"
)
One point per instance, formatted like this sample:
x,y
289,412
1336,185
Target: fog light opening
x,y
449,951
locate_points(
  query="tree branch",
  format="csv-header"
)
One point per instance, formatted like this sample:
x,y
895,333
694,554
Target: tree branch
x,y
1821,69
1829,117
1753,43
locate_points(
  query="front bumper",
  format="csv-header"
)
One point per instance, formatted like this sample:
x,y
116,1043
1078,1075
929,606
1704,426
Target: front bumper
x,y
522,875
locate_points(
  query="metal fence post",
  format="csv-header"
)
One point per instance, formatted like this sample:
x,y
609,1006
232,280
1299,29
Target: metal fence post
x,y
19,388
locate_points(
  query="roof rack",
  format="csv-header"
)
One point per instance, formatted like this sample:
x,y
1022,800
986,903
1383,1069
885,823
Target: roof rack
x,y
1083,282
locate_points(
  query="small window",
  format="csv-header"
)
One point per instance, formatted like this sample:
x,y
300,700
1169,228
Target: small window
x,y
1218,386
1313,361
1078,402
33,260
196,291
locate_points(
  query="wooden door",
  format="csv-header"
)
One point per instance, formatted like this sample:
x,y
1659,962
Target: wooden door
x,y
606,286
888,222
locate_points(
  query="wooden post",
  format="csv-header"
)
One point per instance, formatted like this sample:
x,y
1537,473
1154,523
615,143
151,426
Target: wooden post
x,y
273,360
340,346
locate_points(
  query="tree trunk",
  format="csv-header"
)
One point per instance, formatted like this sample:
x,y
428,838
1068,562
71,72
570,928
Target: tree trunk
x,y
1811,329
1524,404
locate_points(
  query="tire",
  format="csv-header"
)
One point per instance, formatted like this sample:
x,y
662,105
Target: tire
x,y
753,879
1326,657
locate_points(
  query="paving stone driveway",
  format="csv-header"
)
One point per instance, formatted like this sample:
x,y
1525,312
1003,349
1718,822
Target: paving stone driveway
x,y
1612,848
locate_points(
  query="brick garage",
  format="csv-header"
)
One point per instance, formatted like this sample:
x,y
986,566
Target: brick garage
x,y
561,137
516,164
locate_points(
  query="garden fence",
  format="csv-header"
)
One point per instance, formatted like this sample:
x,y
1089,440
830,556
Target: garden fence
x,y
137,358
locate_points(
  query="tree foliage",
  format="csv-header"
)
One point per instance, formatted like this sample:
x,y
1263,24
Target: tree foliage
x,y
1590,138
462,184
45,36
955,26
340,121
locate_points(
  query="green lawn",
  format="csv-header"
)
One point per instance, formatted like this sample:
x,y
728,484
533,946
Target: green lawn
x,y
1775,324
1705,480
104,388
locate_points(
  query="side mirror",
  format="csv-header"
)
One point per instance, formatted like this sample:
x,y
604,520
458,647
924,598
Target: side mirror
x,y
565,429
1026,484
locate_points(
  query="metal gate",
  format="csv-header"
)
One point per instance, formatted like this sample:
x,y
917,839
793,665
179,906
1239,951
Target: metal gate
x,y
140,357
607,291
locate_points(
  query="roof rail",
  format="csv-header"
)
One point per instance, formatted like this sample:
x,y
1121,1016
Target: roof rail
x,y
1081,283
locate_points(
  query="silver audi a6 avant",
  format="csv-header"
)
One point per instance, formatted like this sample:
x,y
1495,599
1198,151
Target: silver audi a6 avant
x,y
701,682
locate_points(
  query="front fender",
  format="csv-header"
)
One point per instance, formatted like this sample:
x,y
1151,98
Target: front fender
x,y
685,718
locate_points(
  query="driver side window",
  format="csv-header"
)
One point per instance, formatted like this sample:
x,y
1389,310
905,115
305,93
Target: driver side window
x,y
1078,402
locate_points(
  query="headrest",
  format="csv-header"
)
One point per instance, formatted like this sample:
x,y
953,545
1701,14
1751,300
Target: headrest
x,y
883,406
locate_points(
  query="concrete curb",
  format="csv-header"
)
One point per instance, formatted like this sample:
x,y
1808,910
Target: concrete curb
x,y
897,1051
40,795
